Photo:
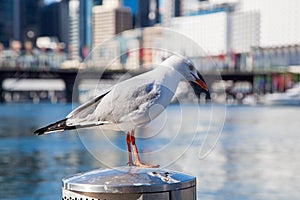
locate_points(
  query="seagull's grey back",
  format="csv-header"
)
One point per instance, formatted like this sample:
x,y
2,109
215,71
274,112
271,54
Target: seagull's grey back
x,y
131,103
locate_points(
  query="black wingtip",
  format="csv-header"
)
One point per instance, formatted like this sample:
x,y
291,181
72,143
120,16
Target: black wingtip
x,y
57,126
40,131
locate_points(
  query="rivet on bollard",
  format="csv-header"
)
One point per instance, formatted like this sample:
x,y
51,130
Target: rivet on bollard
x,y
129,183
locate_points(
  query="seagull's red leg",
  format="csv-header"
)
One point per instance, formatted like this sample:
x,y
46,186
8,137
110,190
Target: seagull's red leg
x,y
128,142
136,153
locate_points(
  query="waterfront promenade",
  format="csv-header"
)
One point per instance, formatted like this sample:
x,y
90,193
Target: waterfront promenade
x,y
261,82
240,78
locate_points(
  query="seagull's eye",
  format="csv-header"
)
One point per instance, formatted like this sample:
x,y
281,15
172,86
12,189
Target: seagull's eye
x,y
191,67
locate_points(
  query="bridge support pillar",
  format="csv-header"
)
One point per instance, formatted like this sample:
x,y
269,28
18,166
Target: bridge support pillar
x,y
1,91
72,94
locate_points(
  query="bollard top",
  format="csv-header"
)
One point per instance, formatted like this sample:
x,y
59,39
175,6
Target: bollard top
x,y
128,180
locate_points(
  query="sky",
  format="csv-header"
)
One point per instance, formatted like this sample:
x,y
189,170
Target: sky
x,y
47,2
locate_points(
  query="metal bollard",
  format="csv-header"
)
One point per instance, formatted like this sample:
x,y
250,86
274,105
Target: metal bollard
x,y
129,183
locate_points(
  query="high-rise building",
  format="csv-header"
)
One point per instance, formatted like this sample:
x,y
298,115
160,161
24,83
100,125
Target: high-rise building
x,y
19,20
169,9
7,27
80,28
112,3
85,27
221,29
245,30
109,20
133,5
29,20
148,13
74,34
189,6
209,31
177,8
54,20
279,20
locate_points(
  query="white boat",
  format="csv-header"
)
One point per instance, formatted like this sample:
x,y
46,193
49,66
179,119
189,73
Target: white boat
x,y
289,97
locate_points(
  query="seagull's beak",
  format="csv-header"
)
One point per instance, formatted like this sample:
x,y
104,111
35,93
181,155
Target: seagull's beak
x,y
200,81
202,84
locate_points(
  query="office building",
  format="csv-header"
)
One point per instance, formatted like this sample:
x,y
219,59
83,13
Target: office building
x,y
85,27
109,20
189,6
133,5
74,31
19,20
80,28
148,13
221,29
168,10
245,31
54,20
279,20
7,26
209,31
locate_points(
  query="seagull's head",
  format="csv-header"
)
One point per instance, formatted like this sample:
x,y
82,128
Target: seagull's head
x,y
189,72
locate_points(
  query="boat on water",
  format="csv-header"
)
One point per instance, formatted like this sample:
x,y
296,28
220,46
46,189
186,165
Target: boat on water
x,y
289,97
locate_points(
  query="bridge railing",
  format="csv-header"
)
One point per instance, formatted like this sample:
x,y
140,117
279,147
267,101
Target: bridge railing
x,y
267,59
33,60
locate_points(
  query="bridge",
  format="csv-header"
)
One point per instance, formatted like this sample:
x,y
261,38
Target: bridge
x,y
72,77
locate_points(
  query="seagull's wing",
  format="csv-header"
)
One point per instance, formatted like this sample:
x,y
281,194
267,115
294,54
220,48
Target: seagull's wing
x,y
87,108
129,101
79,113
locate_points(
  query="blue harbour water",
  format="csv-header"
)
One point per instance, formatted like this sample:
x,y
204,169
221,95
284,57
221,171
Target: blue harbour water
x,y
256,156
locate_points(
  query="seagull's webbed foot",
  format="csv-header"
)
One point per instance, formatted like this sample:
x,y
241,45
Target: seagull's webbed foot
x,y
130,164
140,164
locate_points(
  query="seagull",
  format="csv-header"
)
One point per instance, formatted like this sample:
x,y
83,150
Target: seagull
x,y
132,103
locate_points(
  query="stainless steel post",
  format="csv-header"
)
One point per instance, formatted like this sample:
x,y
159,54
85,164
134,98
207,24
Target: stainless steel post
x,y
129,183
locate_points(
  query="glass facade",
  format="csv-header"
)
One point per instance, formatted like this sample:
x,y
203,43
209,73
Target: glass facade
x,y
6,21
19,20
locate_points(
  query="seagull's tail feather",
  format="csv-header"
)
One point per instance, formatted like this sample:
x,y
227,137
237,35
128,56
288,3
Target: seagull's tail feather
x,y
55,127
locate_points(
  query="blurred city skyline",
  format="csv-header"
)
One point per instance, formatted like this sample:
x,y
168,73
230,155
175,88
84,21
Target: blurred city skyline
x,y
251,23
240,34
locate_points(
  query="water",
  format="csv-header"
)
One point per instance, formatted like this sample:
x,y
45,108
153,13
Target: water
x,y
256,157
